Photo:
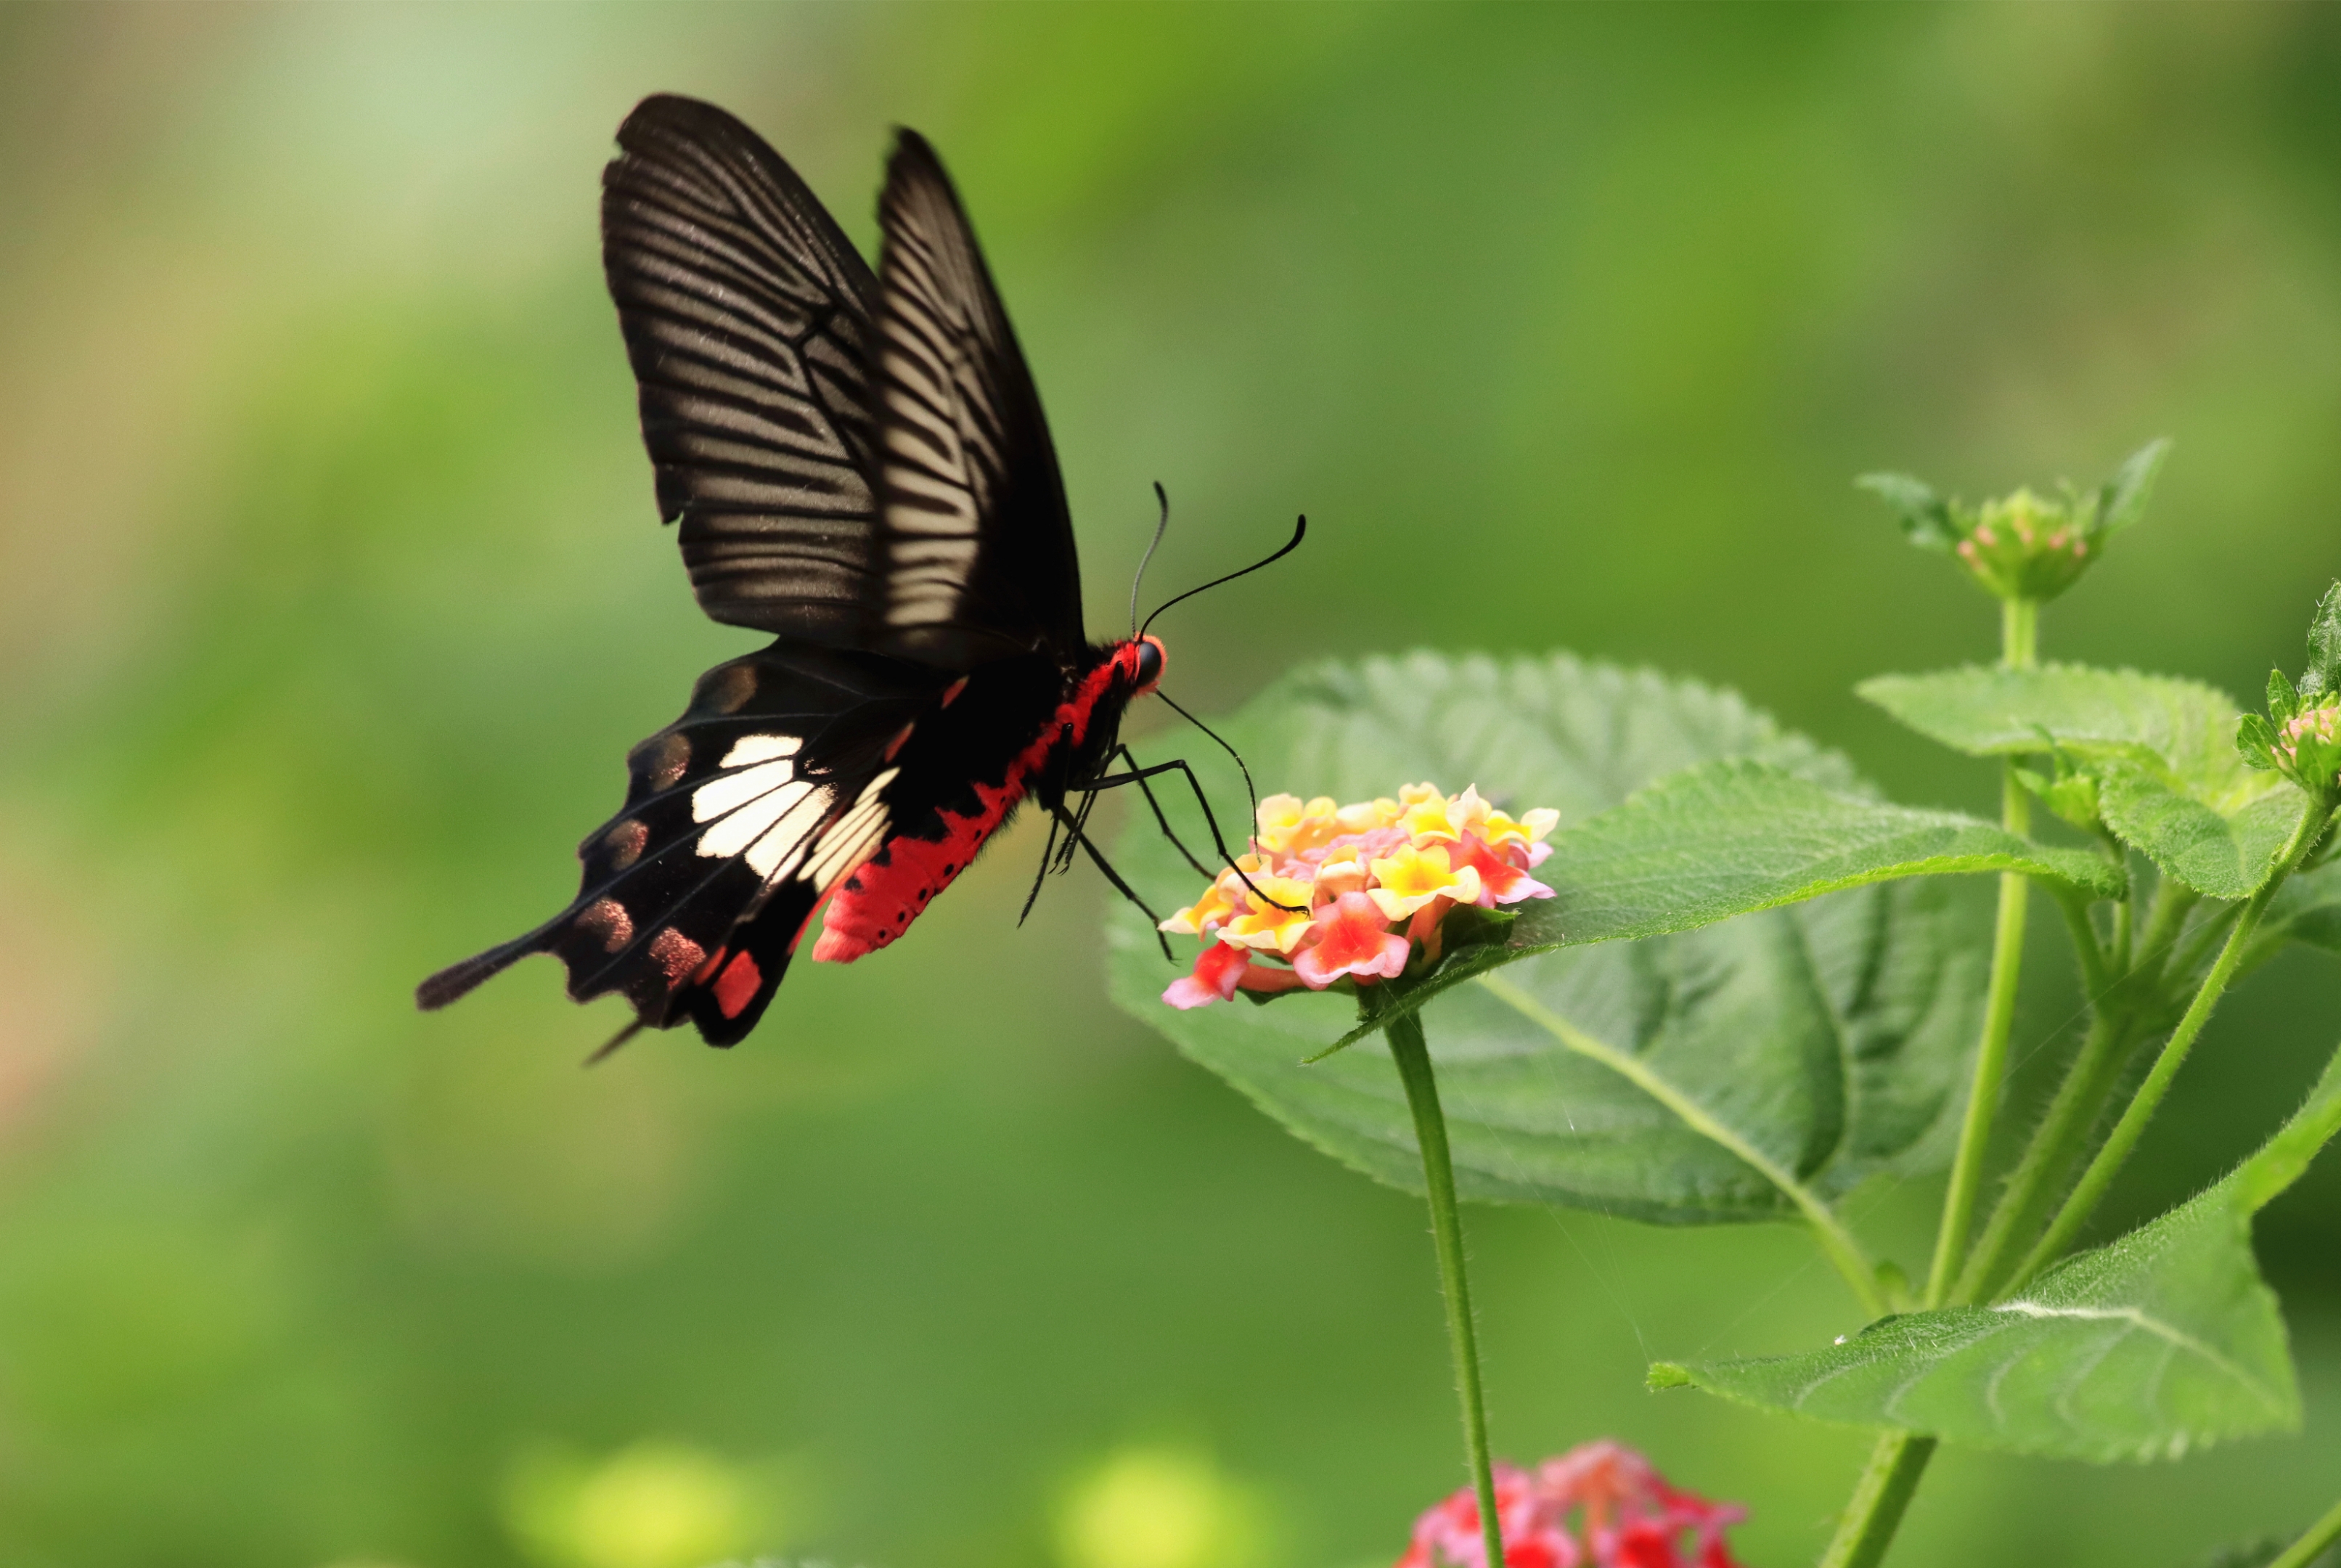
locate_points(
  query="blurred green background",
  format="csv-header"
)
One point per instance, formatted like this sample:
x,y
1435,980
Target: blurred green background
x,y
333,594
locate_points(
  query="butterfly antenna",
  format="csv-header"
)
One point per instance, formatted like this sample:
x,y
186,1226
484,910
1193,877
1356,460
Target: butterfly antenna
x,y
1250,793
1144,560
1299,532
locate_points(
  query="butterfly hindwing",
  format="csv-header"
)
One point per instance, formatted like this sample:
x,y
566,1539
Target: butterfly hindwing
x,y
747,316
740,817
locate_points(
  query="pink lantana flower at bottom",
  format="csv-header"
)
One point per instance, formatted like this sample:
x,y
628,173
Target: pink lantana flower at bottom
x,y
1599,1505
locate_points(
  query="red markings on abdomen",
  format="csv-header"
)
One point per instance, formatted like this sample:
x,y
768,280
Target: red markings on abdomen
x,y
878,902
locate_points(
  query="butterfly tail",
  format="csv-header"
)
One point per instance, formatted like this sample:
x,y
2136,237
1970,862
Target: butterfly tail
x,y
458,980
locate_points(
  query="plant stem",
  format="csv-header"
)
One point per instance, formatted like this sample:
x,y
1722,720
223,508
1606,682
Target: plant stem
x,y
2047,1156
2091,1188
1896,1464
2019,633
1412,1054
2019,626
2312,1546
1900,1458
2090,1077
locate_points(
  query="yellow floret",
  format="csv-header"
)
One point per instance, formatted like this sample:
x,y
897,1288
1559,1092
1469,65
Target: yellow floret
x,y
1412,877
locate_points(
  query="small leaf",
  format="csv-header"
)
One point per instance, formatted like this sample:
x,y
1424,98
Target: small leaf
x,y
1828,1038
2283,698
2256,743
2071,794
2181,729
2223,856
2164,1341
2324,672
1926,516
2121,500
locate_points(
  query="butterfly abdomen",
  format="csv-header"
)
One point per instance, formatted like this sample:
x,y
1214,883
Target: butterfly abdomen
x,y
879,902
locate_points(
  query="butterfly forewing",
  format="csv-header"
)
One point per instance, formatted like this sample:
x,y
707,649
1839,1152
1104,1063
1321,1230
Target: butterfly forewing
x,y
975,542
748,318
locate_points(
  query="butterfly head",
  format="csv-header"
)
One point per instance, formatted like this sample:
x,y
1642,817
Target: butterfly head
x,y
1145,658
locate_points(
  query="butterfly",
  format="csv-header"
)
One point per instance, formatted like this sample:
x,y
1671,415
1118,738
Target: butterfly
x,y
858,466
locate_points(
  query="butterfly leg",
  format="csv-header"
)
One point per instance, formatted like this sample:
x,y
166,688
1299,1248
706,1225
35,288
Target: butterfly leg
x,y
1048,854
1123,753
1179,766
1113,876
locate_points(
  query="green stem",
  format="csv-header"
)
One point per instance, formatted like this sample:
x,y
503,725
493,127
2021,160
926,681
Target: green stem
x,y
1837,1241
1875,1511
2019,629
1412,1054
2090,1078
2094,1071
2019,633
2091,1188
2309,1547
2095,958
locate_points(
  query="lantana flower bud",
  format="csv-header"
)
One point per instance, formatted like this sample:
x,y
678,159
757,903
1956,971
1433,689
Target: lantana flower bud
x,y
2300,737
1599,1505
2024,545
1350,895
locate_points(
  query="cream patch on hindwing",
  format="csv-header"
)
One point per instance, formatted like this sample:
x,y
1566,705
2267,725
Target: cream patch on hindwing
x,y
763,810
749,749
854,838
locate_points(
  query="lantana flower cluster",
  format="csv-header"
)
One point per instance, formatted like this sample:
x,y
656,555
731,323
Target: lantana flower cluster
x,y
1599,1505
1332,894
2308,744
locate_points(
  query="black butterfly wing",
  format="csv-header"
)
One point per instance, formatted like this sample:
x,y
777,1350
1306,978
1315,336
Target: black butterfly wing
x,y
975,544
740,817
748,317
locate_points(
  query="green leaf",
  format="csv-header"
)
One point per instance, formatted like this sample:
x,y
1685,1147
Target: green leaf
x,y
1827,1040
2121,500
2164,1341
2172,779
1926,516
2324,672
2223,856
2283,697
1737,836
2256,741
2181,729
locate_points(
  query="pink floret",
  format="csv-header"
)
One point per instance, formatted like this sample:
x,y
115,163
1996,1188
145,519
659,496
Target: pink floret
x,y
1352,936
1502,878
1599,1505
1217,969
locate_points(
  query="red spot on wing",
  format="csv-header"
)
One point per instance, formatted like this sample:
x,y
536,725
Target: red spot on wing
x,y
877,904
737,985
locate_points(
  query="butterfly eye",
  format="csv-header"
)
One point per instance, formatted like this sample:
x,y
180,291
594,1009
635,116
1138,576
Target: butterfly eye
x,y
1150,659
